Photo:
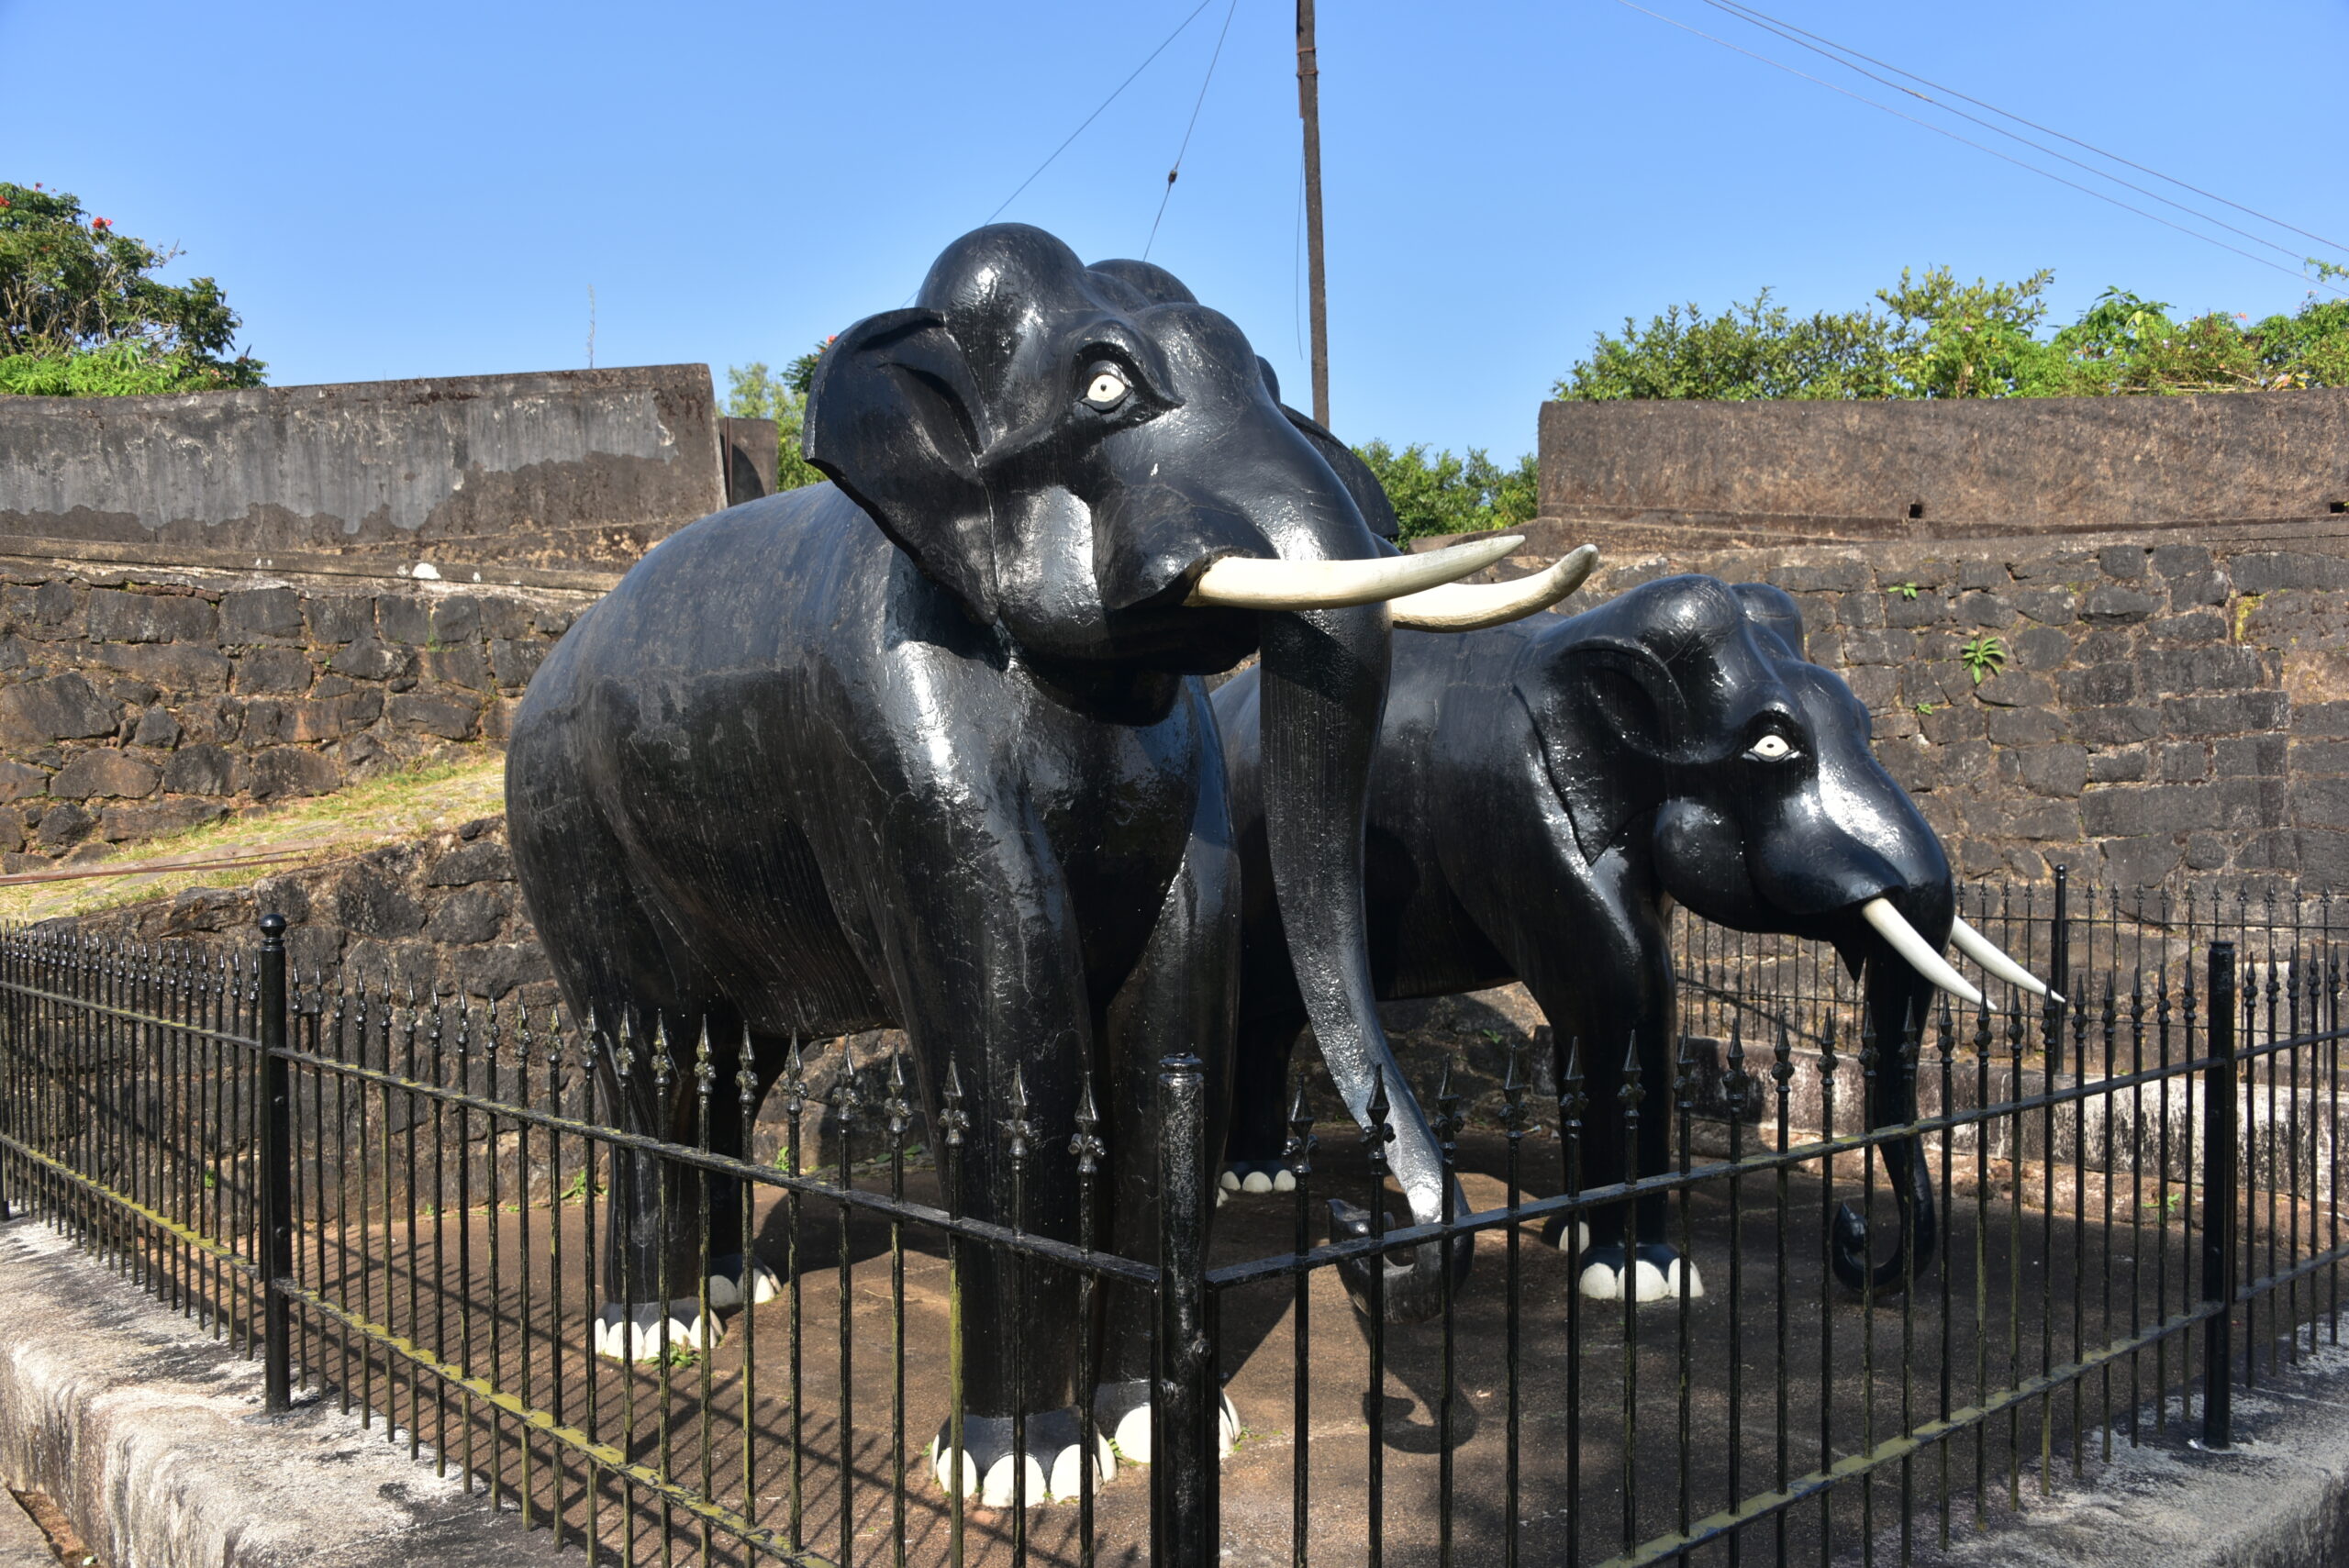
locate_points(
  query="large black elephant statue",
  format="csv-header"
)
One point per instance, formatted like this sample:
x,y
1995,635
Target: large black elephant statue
x,y
927,747
1544,792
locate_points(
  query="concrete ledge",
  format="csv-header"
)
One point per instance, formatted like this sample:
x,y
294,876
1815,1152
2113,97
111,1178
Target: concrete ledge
x,y
149,1436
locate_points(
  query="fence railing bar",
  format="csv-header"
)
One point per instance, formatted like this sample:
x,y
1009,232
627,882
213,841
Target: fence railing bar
x,y
185,1233
129,1014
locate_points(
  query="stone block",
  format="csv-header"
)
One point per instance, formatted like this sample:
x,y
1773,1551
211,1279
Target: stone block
x,y
2039,648
2324,857
502,616
205,769
2058,770
2318,759
1928,608
2098,686
404,618
2111,813
435,713
2273,850
1984,610
116,616
187,668
2044,820
257,615
497,718
513,661
2255,756
2139,860
2200,588
2022,726
2064,566
2120,765
62,707
157,728
21,781
2180,560
2124,562
460,666
2013,690
1886,647
366,903
2320,803
2186,762
2231,714
553,620
495,972
2320,718
2265,572
368,660
1976,572
2109,603
1865,610
1811,577
1953,722
105,771
2205,851
2103,645
2227,667
2246,804
2049,607
313,949
275,670
51,611
456,619
485,860
469,916
63,825
2189,629
176,815
341,618
284,770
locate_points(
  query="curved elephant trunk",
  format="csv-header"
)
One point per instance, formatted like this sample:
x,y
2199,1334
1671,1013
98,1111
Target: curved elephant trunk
x,y
1896,998
1324,695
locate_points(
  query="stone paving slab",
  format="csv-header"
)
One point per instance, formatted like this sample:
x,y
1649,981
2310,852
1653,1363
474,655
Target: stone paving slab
x,y
22,1545
150,1434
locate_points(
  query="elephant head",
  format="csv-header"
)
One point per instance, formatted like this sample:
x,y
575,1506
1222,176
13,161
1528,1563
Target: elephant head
x,y
1744,775
1098,468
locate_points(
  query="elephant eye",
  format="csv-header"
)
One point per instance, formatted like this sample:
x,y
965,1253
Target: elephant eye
x,y
1771,749
1107,388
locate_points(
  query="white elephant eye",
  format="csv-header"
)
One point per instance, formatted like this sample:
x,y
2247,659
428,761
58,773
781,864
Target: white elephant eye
x,y
1107,389
1771,749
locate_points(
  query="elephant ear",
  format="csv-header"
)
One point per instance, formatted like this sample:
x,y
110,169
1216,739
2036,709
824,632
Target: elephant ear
x,y
1774,610
894,419
1369,496
1609,713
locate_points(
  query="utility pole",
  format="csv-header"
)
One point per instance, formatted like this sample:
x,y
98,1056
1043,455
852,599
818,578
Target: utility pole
x,y
1309,108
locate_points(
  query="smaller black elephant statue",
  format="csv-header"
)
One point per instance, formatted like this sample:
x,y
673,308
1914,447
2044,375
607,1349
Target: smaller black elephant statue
x,y
1545,790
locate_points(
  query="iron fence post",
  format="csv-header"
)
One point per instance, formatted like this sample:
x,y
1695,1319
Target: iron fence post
x,y
277,1172
2059,980
2219,1154
1183,1524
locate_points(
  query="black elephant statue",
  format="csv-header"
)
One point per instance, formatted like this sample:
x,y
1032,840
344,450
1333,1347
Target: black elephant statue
x,y
1544,792
927,747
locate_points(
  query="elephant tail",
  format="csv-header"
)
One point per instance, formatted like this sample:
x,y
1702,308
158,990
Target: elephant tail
x,y
1912,1252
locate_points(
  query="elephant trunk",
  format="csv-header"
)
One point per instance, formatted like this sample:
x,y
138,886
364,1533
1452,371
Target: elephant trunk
x,y
1323,696
1896,1000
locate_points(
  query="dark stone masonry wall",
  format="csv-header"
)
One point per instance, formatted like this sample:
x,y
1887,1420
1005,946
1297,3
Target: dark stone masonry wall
x,y
135,703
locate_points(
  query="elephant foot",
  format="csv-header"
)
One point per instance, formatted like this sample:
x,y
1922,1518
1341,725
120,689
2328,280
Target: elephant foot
x,y
1656,1274
726,1276
625,1333
1257,1177
1122,1410
1053,1458
1553,1234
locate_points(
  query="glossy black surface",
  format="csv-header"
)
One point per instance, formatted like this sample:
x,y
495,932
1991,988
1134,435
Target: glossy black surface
x,y
1542,789
929,749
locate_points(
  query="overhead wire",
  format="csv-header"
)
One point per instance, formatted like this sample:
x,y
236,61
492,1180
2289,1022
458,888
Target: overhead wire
x,y
1168,195
1749,12
1770,25
1978,147
1179,30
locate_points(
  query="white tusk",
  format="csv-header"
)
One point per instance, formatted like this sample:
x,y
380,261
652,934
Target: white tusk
x,y
1243,583
1463,606
1920,952
1982,951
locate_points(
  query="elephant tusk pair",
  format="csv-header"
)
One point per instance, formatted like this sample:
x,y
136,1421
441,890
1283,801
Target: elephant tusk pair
x,y
1905,939
1982,951
1423,588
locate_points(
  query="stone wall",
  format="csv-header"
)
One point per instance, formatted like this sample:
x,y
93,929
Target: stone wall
x,y
553,467
138,703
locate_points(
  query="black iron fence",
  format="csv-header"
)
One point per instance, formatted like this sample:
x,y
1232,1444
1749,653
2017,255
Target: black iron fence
x,y
400,1204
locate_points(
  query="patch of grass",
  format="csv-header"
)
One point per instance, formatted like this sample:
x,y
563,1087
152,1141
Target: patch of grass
x,y
377,811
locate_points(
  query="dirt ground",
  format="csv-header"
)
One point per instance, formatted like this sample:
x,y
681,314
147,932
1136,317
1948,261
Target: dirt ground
x,y
2016,1290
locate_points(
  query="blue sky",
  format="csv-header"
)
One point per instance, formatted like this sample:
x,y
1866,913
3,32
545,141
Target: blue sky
x,y
432,188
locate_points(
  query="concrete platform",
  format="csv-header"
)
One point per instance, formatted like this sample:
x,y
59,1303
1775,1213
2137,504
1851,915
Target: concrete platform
x,y
150,1435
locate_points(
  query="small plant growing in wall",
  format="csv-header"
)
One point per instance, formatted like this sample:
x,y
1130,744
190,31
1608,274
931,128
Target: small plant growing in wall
x,y
1983,657
1906,590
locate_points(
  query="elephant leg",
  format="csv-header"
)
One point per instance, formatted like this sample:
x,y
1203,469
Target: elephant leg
x,y
1253,1159
976,930
1182,997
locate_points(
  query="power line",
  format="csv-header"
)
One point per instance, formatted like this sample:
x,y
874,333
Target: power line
x,y
2004,158
1112,98
1768,25
1749,14
1168,195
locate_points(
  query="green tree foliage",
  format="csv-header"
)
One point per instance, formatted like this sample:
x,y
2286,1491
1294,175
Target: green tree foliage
x,y
81,316
754,391
1936,337
1448,494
